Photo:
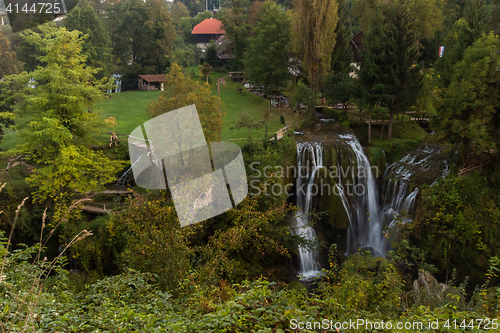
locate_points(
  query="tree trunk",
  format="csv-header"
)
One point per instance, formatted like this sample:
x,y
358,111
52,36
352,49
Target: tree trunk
x,y
389,131
382,132
312,103
345,111
369,125
218,95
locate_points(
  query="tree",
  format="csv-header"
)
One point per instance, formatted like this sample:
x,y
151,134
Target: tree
x,y
142,32
177,12
205,69
266,61
97,46
182,91
234,21
461,36
247,121
401,75
211,55
340,86
298,93
53,113
370,92
313,32
426,15
8,61
8,65
468,108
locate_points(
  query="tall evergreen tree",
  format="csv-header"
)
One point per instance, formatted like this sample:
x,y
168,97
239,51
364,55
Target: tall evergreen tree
x,y
371,88
234,21
266,62
401,75
340,86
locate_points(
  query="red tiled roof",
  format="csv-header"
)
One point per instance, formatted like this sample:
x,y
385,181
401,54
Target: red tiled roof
x,y
208,27
153,78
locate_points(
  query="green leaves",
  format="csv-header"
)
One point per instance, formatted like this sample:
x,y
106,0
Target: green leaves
x,y
54,114
266,60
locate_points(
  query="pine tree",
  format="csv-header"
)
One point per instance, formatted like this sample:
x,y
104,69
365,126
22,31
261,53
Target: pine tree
x,y
266,62
371,87
340,86
400,74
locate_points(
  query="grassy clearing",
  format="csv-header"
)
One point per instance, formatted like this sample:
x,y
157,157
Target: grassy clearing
x,y
129,109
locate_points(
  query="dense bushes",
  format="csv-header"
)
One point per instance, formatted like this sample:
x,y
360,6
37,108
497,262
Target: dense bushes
x,y
457,225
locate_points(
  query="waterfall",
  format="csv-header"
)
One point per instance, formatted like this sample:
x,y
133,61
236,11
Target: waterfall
x,y
309,161
123,178
398,200
364,215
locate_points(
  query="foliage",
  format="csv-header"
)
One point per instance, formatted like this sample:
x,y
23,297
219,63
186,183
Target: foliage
x,y
151,240
206,69
314,38
468,106
211,55
340,87
249,122
97,45
8,65
234,22
266,61
180,91
461,36
298,93
184,54
425,15
457,226
54,112
141,31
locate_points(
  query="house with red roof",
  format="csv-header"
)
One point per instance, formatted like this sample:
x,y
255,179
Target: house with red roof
x,y
207,30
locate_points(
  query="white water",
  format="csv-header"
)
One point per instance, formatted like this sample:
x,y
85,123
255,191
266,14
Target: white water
x,y
309,161
365,227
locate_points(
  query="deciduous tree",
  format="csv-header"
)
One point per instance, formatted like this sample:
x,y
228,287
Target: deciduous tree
x,y
97,46
468,108
55,116
182,91
314,37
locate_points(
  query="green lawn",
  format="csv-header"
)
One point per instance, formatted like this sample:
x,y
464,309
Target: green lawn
x,y
129,109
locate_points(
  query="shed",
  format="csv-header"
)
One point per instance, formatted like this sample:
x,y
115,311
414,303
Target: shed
x,y
151,82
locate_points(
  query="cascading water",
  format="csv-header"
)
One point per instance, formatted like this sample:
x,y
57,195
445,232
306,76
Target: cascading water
x,y
362,209
398,200
309,161
355,184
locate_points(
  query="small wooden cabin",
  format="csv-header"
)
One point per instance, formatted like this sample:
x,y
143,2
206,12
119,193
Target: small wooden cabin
x,y
151,82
